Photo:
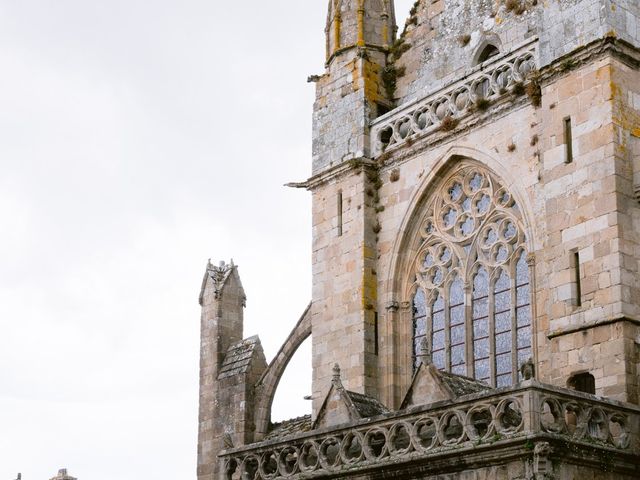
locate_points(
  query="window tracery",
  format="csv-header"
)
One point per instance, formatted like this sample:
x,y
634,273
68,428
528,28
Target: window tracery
x,y
472,296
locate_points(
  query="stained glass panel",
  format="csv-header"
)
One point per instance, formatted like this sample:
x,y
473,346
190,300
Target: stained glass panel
x,y
481,283
523,294
483,370
523,315
503,381
457,292
503,322
420,326
503,363
438,340
455,192
419,304
483,204
503,342
481,328
524,337
481,348
503,301
457,315
438,359
457,334
450,217
438,320
457,355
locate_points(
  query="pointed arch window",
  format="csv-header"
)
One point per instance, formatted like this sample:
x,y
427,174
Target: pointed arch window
x,y
472,296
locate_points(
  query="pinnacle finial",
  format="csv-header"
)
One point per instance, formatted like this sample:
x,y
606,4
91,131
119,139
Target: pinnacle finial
x,y
336,374
424,351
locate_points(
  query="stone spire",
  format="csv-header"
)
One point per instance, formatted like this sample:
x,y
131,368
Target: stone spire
x,y
359,23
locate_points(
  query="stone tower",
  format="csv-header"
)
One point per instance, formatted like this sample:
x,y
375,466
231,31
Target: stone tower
x,y
349,95
229,367
475,308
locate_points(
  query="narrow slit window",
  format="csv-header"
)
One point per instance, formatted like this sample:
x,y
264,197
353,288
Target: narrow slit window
x,y
568,140
576,286
339,214
376,345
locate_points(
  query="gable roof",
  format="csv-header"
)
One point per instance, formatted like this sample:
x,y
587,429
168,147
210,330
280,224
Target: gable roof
x,y
238,357
342,406
366,406
430,385
290,427
461,385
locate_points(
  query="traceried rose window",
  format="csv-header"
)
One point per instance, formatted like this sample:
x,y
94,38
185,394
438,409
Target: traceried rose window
x,y
472,296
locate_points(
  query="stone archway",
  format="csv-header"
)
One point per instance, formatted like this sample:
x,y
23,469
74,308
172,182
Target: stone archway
x,y
268,383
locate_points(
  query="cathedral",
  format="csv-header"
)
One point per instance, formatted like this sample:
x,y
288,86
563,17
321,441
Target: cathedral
x,y
475,304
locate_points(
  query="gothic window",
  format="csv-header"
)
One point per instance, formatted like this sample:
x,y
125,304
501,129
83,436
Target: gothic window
x,y
472,296
487,52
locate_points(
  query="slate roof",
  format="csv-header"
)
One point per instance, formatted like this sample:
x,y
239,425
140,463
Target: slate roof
x,y
367,406
238,357
289,427
460,385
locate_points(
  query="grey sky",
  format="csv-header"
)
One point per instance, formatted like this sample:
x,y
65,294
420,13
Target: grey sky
x,y
138,139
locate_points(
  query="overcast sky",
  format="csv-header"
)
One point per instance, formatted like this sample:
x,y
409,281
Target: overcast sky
x,y
137,140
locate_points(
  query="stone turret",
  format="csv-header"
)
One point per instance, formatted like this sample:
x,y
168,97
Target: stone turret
x,y
359,23
351,92
62,475
229,368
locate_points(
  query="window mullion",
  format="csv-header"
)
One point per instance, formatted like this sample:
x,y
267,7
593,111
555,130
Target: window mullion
x,y
468,325
514,328
447,328
492,334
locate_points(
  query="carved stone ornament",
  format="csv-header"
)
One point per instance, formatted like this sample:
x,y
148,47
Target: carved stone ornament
x,y
542,466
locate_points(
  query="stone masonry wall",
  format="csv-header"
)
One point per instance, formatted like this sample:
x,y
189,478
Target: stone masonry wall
x,y
344,297
448,35
345,103
576,206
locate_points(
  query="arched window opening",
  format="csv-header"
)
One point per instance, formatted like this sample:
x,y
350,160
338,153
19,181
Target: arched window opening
x,y
583,382
488,52
472,283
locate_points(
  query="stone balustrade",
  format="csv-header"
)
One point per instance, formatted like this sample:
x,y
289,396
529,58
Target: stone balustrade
x,y
529,412
485,83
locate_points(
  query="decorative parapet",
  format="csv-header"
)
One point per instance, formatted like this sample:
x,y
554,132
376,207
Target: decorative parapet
x,y
529,414
423,117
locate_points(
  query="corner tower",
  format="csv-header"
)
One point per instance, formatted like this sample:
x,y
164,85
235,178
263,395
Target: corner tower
x,y
350,94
